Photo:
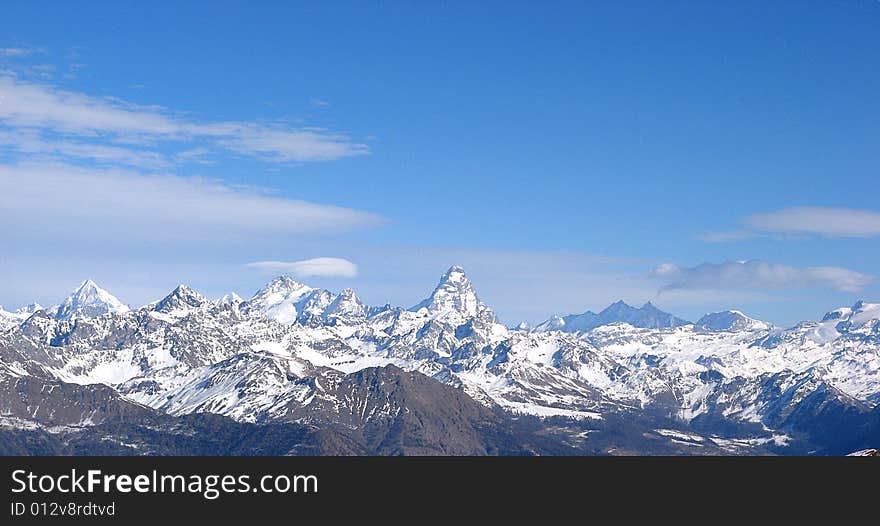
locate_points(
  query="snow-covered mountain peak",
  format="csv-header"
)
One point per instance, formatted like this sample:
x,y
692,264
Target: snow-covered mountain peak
x,y
348,297
278,299
730,320
838,314
454,273
620,308
279,290
853,317
89,300
647,316
9,319
181,300
454,294
230,299
345,307
650,307
554,323
29,309
864,312
283,284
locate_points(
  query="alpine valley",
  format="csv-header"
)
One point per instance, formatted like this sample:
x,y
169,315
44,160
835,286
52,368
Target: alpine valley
x,y
296,370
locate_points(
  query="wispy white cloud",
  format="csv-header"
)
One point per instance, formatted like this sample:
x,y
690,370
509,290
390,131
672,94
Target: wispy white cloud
x,y
30,142
758,275
803,221
725,237
197,155
64,202
316,267
828,222
16,52
41,71
277,144
28,105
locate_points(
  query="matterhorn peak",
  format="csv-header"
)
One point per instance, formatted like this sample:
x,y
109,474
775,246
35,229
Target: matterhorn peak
x,y
89,300
454,294
454,270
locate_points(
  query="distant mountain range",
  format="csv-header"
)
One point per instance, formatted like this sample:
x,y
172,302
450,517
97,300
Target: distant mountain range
x,y
647,316
302,370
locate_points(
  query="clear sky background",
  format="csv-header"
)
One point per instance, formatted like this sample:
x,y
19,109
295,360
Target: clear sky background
x,y
700,155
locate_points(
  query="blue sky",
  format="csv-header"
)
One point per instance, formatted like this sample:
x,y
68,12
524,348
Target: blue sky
x,y
566,153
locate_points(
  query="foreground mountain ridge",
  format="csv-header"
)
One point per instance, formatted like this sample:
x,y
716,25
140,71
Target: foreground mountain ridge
x,y
626,380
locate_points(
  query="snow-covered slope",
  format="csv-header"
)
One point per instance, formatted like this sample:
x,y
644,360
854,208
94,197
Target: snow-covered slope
x,y
230,299
286,300
11,319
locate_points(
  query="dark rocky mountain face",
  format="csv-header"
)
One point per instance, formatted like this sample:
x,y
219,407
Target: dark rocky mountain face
x,y
389,412
395,412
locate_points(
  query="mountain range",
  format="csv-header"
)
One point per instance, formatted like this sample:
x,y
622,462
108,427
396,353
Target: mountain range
x,y
302,370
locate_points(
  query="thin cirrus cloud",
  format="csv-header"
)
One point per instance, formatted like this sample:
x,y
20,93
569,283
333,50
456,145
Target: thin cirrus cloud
x,y
725,237
17,52
317,267
815,221
758,275
54,111
64,202
31,143
828,222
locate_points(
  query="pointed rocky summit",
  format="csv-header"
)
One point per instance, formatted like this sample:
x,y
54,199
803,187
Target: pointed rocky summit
x,y
87,301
